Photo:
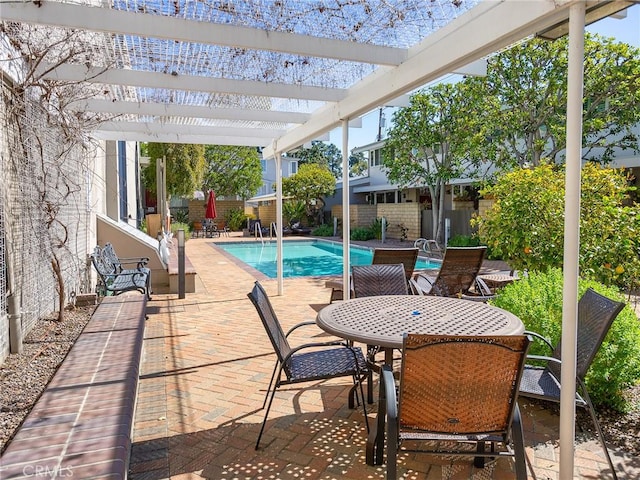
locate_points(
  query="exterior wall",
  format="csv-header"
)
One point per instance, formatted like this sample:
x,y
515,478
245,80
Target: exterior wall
x,y
46,194
111,199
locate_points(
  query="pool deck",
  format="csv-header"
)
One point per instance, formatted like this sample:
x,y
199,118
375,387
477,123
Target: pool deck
x,y
206,365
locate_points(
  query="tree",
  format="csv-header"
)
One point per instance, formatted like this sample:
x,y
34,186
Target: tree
x,y
525,226
358,164
526,93
185,166
430,141
329,156
232,170
309,185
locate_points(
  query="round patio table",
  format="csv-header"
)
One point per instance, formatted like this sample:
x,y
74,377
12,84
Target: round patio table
x,y
383,321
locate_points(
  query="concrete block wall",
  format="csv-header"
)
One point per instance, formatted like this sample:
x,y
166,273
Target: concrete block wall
x,y
197,208
395,213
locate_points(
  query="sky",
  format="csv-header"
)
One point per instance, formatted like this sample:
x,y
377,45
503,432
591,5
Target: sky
x,y
625,30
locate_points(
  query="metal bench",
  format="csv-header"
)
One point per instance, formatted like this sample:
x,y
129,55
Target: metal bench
x,y
116,279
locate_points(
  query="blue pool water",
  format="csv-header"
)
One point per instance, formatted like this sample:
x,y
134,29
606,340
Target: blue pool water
x,y
303,258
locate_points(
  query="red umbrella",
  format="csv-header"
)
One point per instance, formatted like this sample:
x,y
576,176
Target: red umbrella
x,y
211,206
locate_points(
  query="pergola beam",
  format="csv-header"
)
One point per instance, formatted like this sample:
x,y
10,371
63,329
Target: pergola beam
x,y
200,130
168,137
193,111
486,28
157,26
137,78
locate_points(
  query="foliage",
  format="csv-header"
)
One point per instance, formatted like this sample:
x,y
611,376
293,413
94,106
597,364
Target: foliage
x,y
143,226
235,219
324,230
537,301
309,185
329,156
362,233
293,210
232,170
464,241
430,141
175,226
180,215
376,228
525,93
185,166
358,164
525,226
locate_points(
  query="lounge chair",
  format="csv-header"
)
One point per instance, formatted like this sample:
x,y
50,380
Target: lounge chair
x,y
456,276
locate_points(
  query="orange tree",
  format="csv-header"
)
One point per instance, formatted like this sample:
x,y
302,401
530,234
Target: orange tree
x,y
525,226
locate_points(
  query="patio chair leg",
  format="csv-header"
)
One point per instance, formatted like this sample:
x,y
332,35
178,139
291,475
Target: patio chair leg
x,y
273,375
592,412
517,436
266,414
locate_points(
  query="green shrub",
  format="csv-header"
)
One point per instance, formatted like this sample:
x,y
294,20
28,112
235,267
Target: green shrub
x,y
525,226
323,231
464,241
376,228
175,226
235,218
537,301
360,233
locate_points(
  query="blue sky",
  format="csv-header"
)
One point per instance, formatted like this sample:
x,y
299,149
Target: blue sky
x,y
625,30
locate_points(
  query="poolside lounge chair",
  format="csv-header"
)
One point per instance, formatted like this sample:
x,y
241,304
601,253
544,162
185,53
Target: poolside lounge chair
x,y
457,389
307,362
595,316
456,276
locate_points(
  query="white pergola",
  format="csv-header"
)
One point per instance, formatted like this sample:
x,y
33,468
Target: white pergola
x,y
278,73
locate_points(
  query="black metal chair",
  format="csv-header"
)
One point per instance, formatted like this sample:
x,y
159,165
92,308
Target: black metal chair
x,y
595,316
457,389
306,362
379,279
373,280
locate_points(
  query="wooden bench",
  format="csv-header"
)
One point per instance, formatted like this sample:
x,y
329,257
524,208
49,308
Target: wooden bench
x,y
81,426
115,278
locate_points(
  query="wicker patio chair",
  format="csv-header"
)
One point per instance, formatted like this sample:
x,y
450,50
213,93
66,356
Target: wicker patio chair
x,y
307,362
457,273
595,316
370,281
406,256
457,389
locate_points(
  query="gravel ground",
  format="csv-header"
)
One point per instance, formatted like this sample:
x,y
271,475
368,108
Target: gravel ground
x,y
24,376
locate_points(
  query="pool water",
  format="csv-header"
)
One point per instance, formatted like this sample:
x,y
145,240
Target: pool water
x,y
303,258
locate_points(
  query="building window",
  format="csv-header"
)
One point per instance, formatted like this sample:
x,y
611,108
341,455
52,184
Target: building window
x,y
263,164
293,168
375,158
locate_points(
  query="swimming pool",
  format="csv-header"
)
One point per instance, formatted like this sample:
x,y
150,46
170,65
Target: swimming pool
x,y
303,258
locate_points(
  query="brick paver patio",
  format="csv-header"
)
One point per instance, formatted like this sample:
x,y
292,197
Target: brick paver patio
x,y
207,363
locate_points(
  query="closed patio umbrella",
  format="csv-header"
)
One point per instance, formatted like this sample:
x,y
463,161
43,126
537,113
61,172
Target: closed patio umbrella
x,y
211,206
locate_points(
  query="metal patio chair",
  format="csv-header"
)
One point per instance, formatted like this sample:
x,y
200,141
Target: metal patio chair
x,y
456,276
457,389
595,316
374,280
307,362
406,256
